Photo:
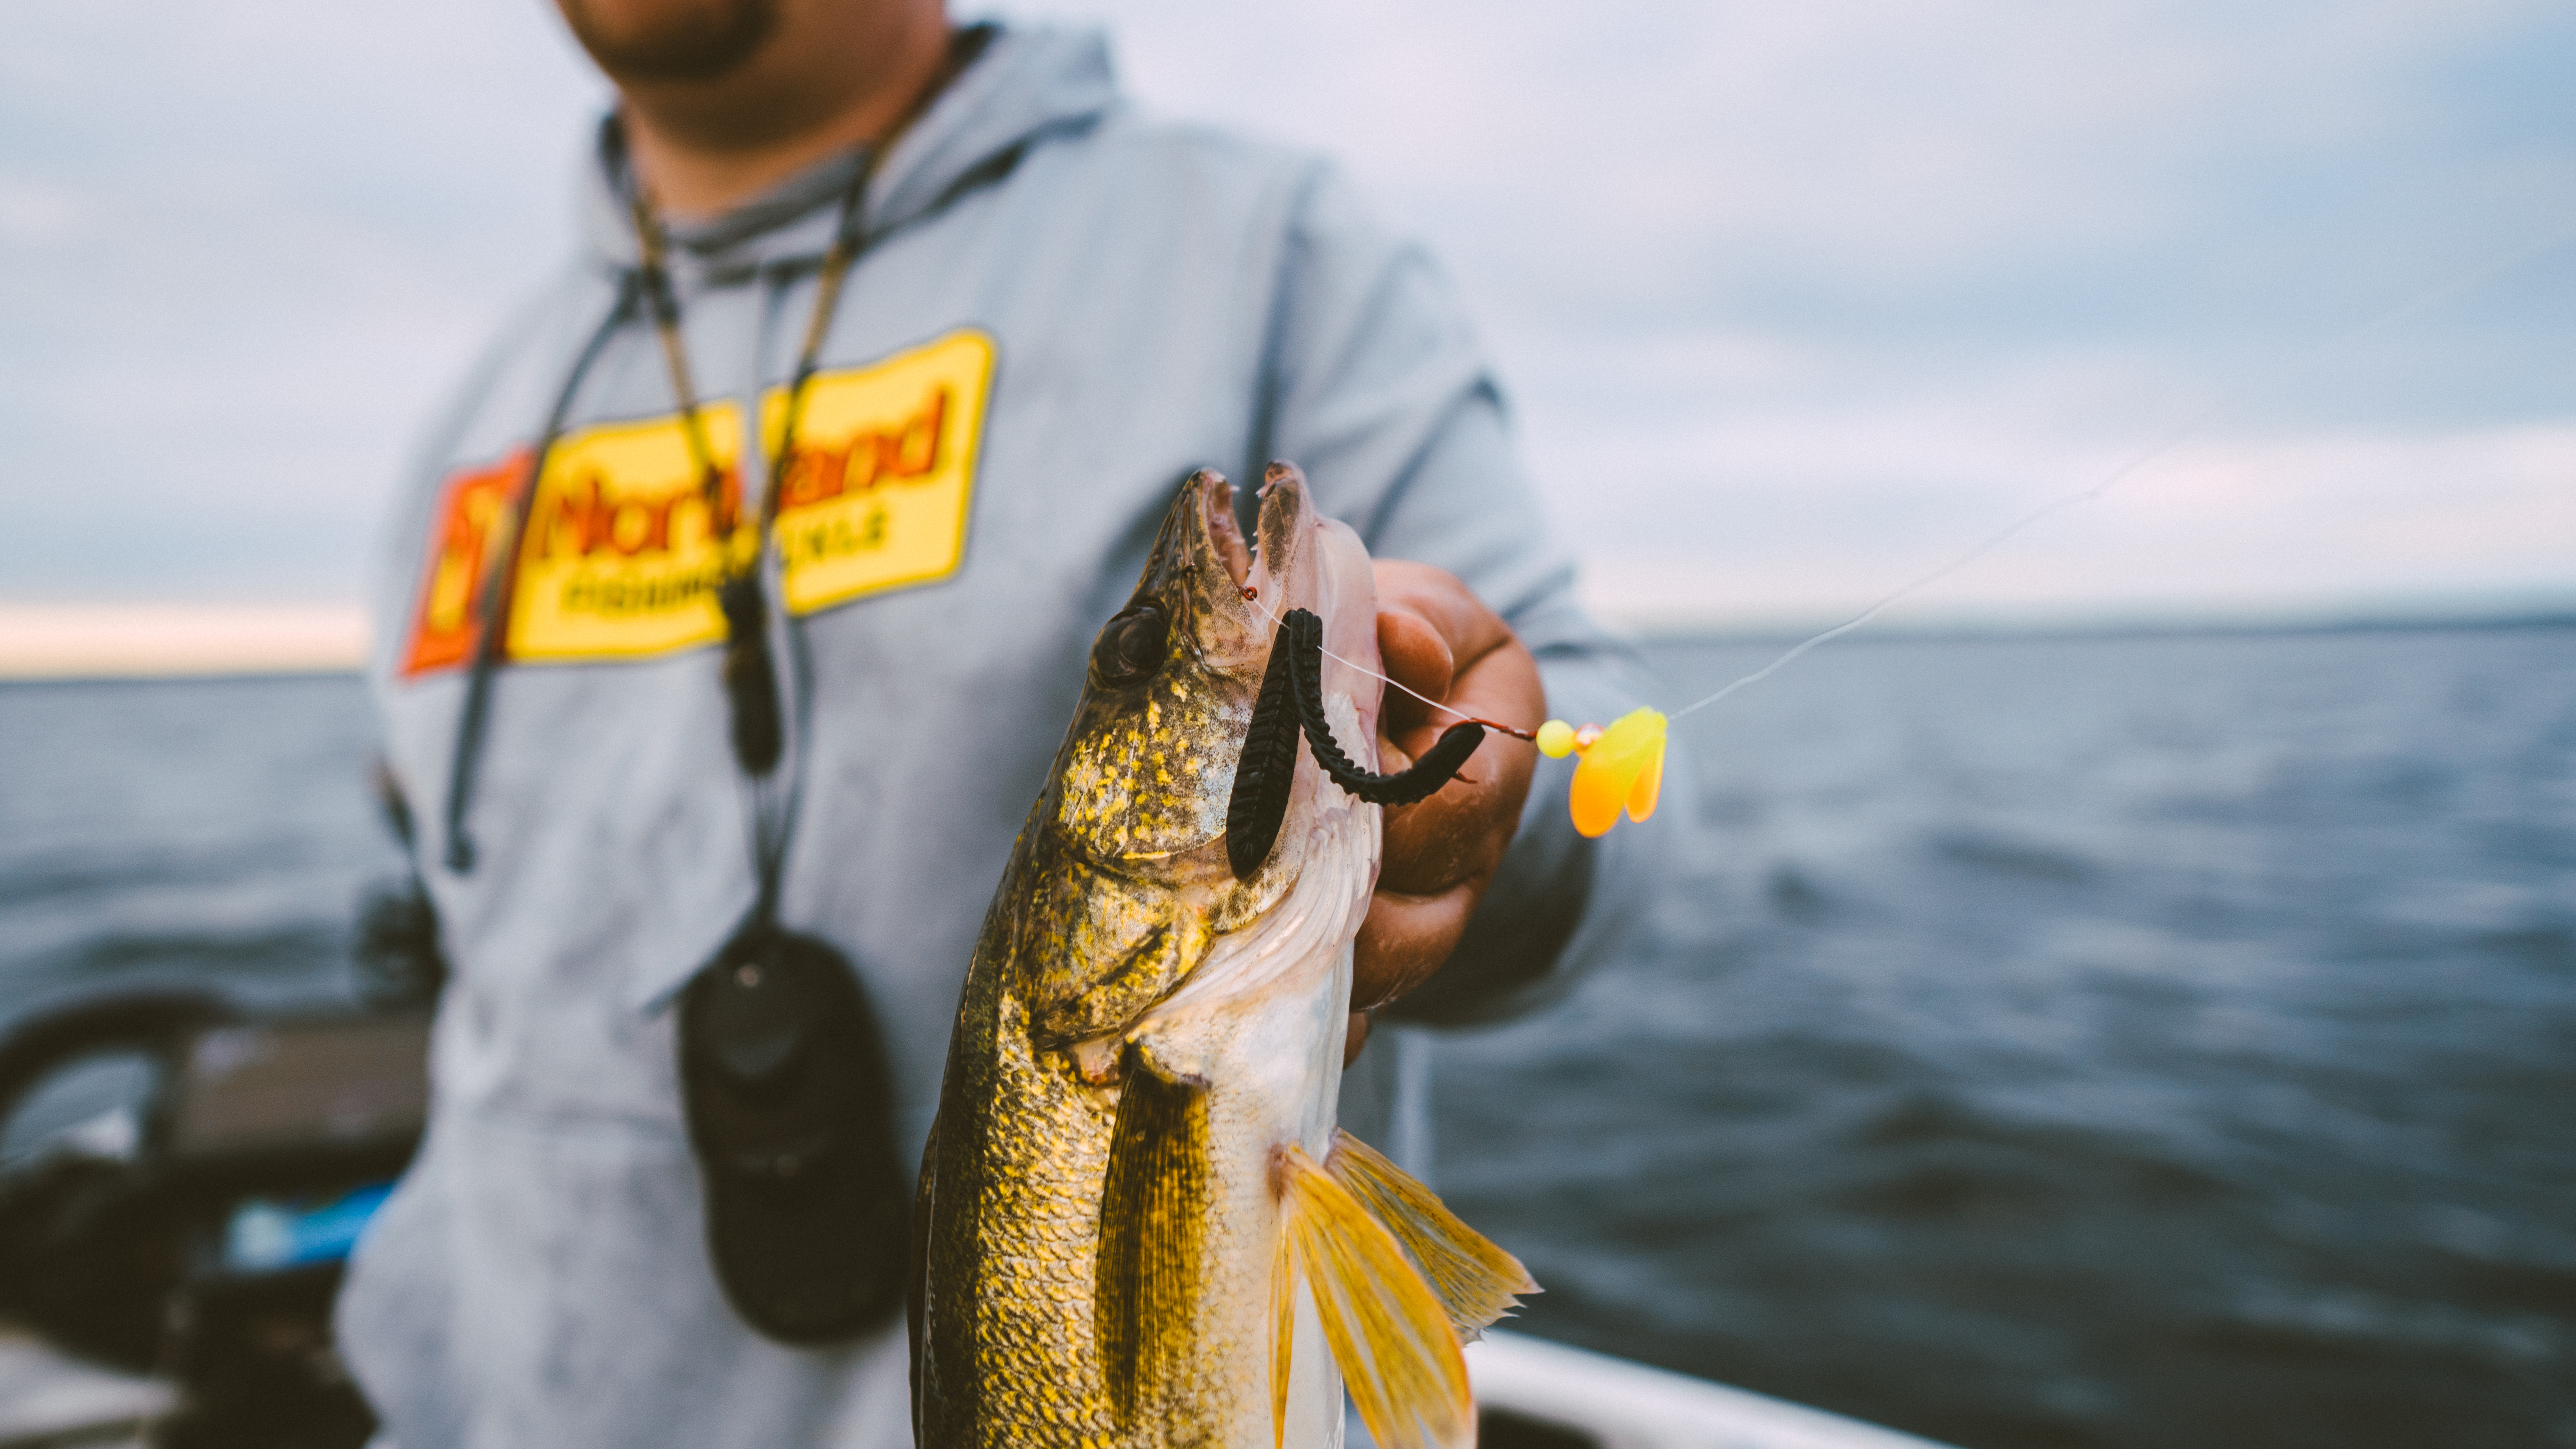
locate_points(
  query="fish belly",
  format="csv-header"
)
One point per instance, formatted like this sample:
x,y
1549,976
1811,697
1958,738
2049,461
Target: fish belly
x,y
1272,1065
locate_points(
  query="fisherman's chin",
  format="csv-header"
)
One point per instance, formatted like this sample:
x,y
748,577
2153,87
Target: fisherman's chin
x,y
671,40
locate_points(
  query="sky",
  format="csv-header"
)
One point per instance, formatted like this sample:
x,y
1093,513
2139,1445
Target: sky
x,y
1793,304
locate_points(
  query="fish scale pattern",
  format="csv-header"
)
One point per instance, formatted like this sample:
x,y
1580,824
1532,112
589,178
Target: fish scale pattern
x,y
1037,1360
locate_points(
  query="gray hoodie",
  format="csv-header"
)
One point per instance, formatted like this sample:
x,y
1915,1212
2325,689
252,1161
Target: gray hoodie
x,y
1063,308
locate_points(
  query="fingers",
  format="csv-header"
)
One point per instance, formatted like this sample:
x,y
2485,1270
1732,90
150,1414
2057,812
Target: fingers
x,y
1416,657
1405,939
1439,639
1437,597
1431,630
1460,834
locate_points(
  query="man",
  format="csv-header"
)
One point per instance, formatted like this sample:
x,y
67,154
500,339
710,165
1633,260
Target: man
x,y
1057,310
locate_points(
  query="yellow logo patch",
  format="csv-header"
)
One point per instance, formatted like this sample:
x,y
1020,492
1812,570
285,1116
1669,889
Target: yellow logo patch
x,y
878,493
623,554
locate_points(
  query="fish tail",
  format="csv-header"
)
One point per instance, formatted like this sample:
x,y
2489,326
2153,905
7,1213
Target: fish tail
x,y
1388,1331
1475,1281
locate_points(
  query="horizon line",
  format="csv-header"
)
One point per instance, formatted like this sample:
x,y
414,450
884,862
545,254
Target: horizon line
x,y
70,642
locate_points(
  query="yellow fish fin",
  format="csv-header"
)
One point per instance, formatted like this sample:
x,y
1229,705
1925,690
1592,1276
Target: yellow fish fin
x,y
1153,1236
1283,1335
1629,754
1474,1280
1398,1354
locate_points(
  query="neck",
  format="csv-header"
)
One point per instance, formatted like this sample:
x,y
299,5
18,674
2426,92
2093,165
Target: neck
x,y
703,147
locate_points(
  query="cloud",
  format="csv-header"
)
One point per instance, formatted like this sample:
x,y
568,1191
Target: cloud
x,y
34,214
1822,291
2311,526
244,247
1814,297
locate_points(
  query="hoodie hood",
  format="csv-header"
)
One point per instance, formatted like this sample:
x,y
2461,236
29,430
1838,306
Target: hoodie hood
x,y
1023,85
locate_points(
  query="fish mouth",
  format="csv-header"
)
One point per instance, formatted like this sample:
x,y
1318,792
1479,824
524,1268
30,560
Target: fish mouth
x,y
1311,562
1236,593
1284,575
1303,560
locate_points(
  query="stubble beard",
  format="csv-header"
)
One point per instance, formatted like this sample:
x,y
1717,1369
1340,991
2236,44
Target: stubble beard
x,y
671,40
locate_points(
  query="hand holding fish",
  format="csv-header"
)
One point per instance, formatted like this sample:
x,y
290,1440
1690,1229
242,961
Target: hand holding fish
x,y
1436,638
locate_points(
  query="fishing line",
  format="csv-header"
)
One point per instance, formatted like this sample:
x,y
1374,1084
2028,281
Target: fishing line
x,y
2319,354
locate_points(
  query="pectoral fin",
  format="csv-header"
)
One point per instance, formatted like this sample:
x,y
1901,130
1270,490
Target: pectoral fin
x,y
1388,1331
1475,1281
1153,1235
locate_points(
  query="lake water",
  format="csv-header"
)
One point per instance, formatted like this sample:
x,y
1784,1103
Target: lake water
x,y
2048,1042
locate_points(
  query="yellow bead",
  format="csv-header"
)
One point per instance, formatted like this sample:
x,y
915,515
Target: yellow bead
x,y
1556,739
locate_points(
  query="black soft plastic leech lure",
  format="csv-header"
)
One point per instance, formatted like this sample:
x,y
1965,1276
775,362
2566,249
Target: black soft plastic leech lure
x,y
1292,702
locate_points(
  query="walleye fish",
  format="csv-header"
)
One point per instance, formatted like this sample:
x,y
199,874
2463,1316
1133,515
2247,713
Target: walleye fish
x,y
1138,1224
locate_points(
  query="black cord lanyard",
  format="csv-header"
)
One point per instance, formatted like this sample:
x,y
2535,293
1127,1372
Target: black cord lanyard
x,y
750,669
491,598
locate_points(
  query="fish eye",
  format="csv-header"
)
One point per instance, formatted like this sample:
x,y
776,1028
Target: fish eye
x,y
1131,645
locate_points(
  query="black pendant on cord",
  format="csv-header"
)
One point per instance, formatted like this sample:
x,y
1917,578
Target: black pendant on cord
x,y
751,674
1292,703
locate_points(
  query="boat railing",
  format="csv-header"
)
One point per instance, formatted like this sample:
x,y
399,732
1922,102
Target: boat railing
x,y
1534,1394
